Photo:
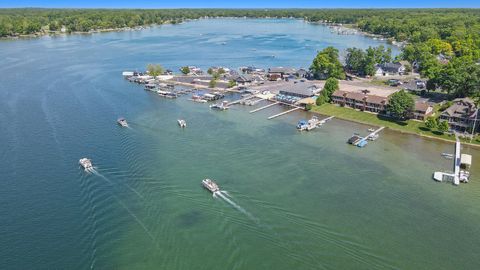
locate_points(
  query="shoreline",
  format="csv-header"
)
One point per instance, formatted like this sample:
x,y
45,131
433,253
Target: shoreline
x,y
395,129
144,26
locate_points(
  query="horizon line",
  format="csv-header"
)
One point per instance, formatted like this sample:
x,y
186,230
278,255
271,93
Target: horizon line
x,y
249,8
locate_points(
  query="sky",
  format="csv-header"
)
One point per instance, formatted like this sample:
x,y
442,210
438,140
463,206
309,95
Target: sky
x,y
240,3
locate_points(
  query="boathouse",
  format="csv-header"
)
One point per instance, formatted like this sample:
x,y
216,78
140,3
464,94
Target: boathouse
x,y
301,89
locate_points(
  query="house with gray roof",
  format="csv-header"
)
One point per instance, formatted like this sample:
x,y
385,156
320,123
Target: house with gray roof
x,y
389,69
282,72
462,115
301,89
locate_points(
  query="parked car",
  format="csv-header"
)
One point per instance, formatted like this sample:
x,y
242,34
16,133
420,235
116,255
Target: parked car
x,y
394,82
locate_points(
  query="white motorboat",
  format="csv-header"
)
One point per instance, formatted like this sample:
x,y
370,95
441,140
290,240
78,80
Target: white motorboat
x,y
182,123
220,106
122,122
210,185
86,164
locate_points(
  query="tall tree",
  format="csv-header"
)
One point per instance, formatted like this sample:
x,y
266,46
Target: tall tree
x,y
154,69
331,85
326,65
400,105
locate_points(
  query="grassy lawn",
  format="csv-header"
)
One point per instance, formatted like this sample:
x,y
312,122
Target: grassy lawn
x,y
410,126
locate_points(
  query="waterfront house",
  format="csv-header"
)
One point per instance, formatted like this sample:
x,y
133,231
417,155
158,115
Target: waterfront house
x,y
282,71
461,115
422,110
389,69
247,79
361,101
300,89
244,79
252,70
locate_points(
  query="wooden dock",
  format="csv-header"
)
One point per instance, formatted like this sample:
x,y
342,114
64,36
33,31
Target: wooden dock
x,y
323,121
285,112
374,133
240,100
264,107
371,135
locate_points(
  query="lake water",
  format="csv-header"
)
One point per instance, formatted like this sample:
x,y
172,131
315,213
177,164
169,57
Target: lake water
x,y
298,200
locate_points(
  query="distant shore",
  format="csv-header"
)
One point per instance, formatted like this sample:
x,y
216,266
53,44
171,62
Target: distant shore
x,y
144,26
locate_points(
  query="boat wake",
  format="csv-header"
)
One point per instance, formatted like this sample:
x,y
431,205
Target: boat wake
x,y
225,196
92,170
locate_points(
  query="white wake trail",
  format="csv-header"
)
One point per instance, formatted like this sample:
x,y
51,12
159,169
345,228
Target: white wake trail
x,y
106,179
236,206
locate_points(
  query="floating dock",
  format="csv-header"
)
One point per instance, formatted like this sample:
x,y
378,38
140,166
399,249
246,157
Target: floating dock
x,y
285,112
362,141
264,107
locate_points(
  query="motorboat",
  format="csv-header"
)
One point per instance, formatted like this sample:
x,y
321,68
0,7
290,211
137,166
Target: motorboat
x,y
371,130
464,176
210,185
122,122
197,98
354,139
86,164
302,125
182,123
373,137
220,106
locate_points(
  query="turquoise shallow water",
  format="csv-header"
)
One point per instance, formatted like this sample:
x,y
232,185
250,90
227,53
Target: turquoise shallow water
x,y
304,200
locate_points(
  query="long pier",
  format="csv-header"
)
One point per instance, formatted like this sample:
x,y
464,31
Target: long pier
x,y
369,136
240,100
326,119
264,107
375,132
285,112
456,164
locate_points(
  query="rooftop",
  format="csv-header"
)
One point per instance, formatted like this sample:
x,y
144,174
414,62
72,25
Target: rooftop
x,y
300,87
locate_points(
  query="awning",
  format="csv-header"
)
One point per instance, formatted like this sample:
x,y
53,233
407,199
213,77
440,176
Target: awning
x,y
466,159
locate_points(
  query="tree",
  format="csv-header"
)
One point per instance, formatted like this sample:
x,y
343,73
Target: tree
x,y
431,85
154,69
408,68
443,126
212,83
210,71
231,83
185,70
355,60
431,123
320,100
215,75
400,105
460,77
331,85
326,64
